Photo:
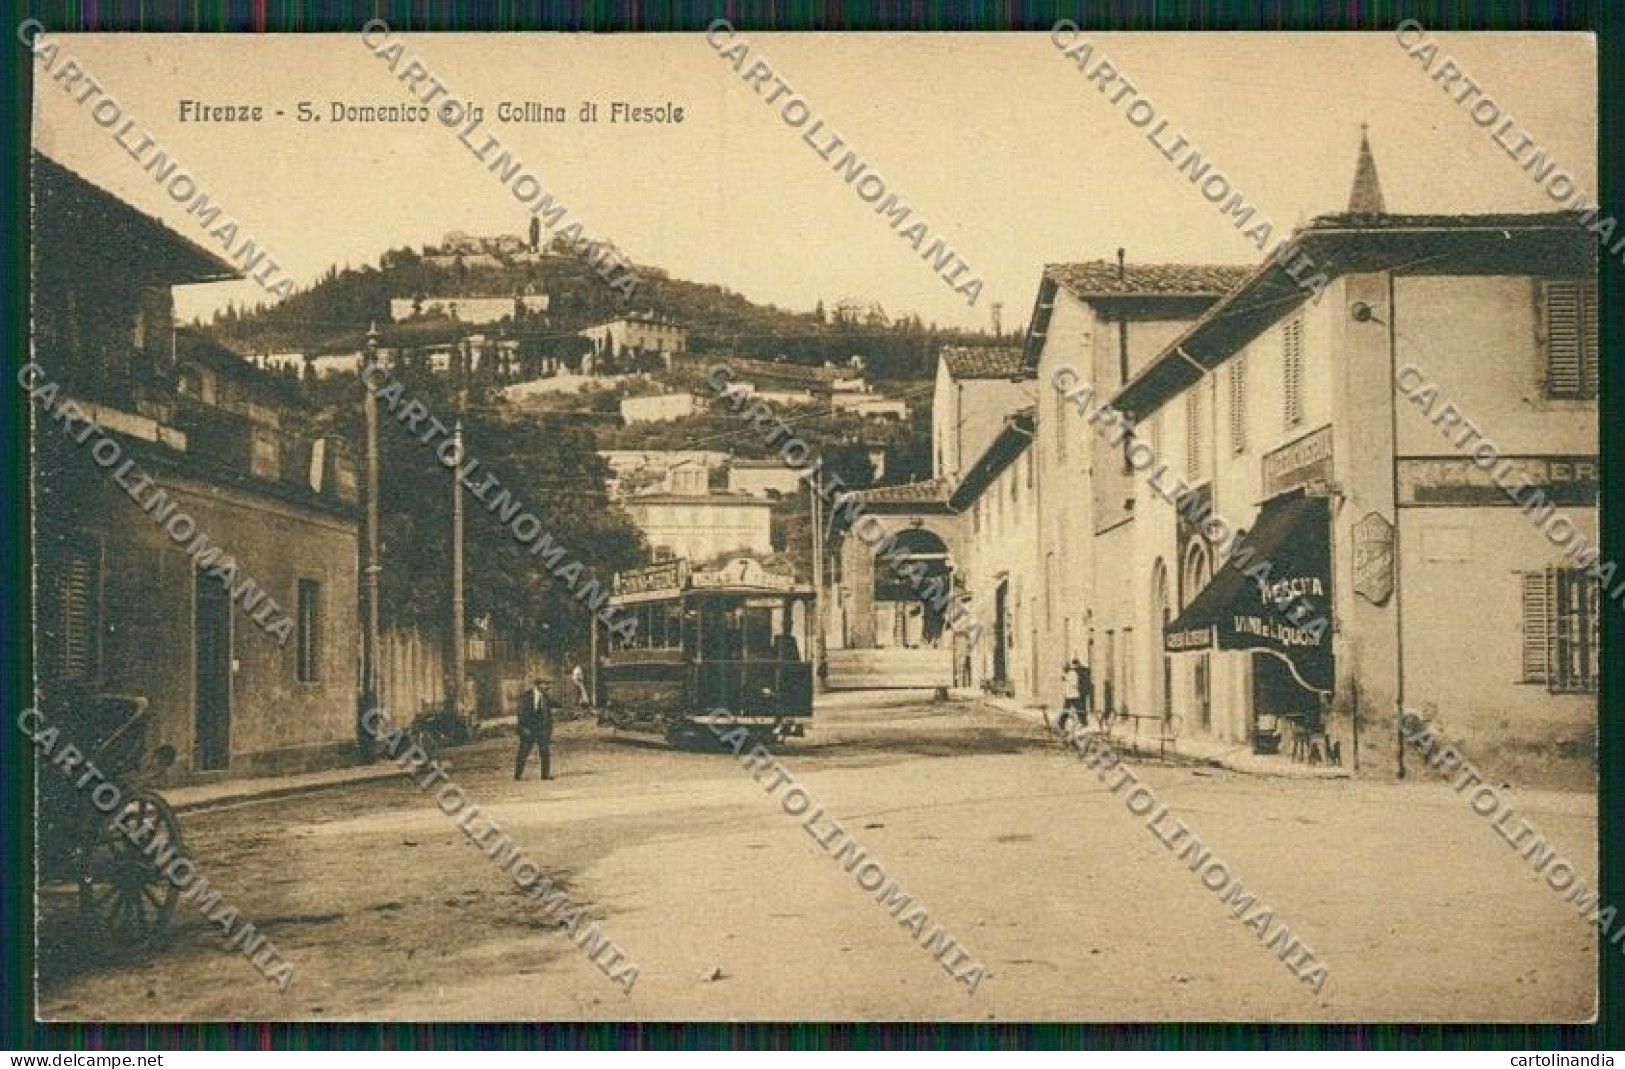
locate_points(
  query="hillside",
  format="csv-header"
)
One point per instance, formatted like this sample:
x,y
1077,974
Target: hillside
x,y
334,314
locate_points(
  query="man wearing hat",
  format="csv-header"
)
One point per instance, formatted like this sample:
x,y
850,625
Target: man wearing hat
x,y
536,708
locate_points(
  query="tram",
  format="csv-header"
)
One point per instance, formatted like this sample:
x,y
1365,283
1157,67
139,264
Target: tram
x,y
729,643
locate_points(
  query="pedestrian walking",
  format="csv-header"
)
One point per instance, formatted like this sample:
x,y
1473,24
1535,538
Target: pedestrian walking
x,y
536,709
1086,688
1070,711
579,677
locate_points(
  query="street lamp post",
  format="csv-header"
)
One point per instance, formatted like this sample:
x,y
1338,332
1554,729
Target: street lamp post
x,y
456,641
818,587
369,549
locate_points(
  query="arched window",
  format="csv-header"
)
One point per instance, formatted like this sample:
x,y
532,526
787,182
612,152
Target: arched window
x,y
1162,613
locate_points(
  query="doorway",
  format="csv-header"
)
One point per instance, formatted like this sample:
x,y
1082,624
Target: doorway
x,y
1001,627
211,750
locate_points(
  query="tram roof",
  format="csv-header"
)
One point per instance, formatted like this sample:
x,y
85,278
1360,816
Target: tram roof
x,y
799,590
674,580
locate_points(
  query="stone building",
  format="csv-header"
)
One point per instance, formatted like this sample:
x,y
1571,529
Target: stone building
x,y
211,569
1108,320
976,389
683,517
1321,428
635,334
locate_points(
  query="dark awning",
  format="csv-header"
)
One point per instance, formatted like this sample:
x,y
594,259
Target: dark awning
x,y
1272,594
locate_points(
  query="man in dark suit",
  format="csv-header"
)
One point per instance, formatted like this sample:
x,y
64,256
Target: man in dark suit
x,y
536,708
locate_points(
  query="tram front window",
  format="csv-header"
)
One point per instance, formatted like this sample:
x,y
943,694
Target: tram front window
x,y
719,632
756,623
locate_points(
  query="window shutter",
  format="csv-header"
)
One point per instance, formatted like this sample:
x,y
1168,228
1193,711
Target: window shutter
x,y
1536,627
1588,339
1238,405
1292,361
1193,433
1561,302
78,593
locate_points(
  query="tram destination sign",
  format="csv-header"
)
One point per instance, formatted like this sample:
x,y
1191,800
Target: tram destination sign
x,y
743,571
668,575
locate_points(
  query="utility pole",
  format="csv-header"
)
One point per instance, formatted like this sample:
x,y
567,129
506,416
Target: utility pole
x,y
369,550
456,645
818,586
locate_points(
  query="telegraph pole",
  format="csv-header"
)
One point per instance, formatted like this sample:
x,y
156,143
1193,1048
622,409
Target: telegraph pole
x,y
456,647
818,585
369,549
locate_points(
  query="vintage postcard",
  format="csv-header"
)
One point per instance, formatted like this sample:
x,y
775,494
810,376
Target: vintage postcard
x,y
730,525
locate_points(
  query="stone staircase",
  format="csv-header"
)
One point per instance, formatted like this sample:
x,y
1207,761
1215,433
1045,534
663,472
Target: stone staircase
x,y
892,669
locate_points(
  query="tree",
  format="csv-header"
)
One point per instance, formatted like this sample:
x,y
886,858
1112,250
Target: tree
x,y
549,468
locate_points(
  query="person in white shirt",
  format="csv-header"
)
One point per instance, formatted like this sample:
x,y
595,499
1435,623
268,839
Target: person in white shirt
x,y
579,678
1071,700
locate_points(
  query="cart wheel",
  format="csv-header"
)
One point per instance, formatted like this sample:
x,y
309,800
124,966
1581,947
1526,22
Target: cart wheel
x,y
123,891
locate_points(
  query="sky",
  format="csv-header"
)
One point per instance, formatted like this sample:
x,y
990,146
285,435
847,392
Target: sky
x,y
997,140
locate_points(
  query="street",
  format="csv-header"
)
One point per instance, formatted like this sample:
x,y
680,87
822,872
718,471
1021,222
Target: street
x,y
730,910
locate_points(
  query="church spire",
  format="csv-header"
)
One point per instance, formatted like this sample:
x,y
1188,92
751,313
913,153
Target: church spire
x,y
1366,196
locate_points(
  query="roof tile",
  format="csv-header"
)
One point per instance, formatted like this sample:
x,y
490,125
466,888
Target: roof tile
x,y
903,493
983,362
1102,278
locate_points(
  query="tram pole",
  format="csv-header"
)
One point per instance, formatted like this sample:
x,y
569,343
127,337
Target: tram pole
x,y
456,642
369,550
818,588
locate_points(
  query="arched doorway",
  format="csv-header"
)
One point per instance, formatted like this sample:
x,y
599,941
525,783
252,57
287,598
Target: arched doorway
x,y
1198,570
913,588
1162,668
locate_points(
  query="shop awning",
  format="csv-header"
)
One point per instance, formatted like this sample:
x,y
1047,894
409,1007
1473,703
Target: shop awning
x,y
1273,594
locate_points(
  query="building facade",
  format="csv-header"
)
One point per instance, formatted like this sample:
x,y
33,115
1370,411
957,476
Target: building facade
x,y
473,309
684,518
1107,321
763,478
875,607
975,390
636,334
996,502
1255,505
215,575
1332,423
659,407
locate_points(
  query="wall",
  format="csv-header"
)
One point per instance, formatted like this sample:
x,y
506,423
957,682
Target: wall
x,y
983,405
702,528
658,407
1235,481
1001,539
851,621
412,665
1480,339
761,481
147,596
1133,530
944,423
1062,449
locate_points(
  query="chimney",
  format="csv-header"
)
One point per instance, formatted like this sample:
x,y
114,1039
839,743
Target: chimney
x,y
1122,265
